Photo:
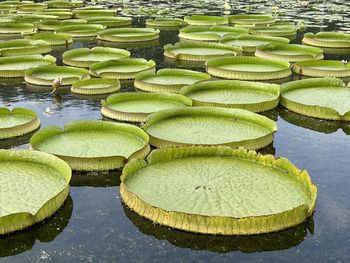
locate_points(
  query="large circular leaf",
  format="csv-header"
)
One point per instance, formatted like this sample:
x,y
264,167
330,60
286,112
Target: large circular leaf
x,y
322,68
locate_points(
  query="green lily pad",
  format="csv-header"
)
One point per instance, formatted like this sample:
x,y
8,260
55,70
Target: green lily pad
x,y
33,186
52,25
218,190
17,122
85,57
162,22
125,68
248,68
93,145
251,19
199,51
53,39
15,66
202,20
136,106
45,76
289,52
129,35
86,13
59,13
327,39
324,98
82,30
209,126
209,33
322,68
18,47
64,3
95,86
253,96
168,79
275,30
108,21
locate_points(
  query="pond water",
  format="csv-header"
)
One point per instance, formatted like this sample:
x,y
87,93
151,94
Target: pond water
x,y
94,226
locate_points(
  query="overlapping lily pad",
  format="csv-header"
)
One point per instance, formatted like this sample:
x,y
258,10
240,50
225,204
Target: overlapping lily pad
x,y
327,39
209,33
249,43
289,52
85,57
14,27
108,21
136,106
203,20
251,19
199,51
253,96
126,68
83,30
168,79
15,66
17,122
95,86
53,39
248,68
322,68
218,190
18,47
52,25
33,186
164,22
93,145
209,126
324,98
44,76
129,35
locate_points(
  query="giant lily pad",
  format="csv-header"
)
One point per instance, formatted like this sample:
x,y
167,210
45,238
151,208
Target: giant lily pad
x,y
95,86
165,22
44,76
15,66
136,106
108,21
17,122
64,3
209,126
18,47
83,30
53,39
52,25
209,33
275,30
250,43
201,20
289,52
327,39
248,68
199,51
168,79
93,145
251,19
218,190
253,96
33,186
126,68
84,57
86,13
129,35
324,98
322,68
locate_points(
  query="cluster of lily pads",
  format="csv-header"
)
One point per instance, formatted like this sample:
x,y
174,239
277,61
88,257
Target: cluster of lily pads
x,y
205,176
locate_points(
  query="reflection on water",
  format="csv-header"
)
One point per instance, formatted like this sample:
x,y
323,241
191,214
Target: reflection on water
x,y
45,231
16,141
223,244
96,179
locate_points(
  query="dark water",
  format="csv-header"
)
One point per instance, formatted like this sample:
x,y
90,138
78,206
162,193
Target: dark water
x,y
94,226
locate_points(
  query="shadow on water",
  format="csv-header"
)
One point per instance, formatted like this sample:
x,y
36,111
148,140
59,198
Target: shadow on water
x,y
266,242
16,141
96,179
46,231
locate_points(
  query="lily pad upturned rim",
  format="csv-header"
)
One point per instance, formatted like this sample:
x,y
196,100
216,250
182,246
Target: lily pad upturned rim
x,y
18,221
213,68
110,21
15,73
55,39
260,106
205,20
52,25
93,163
22,129
112,85
30,77
86,13
142,84
327,39
94,68
168,51
70,55
80,30
315,111
131,96
17,28
166,22
268,52
192,32
222,225
116,35
18,47
279,30
253,19
305,68
219,112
